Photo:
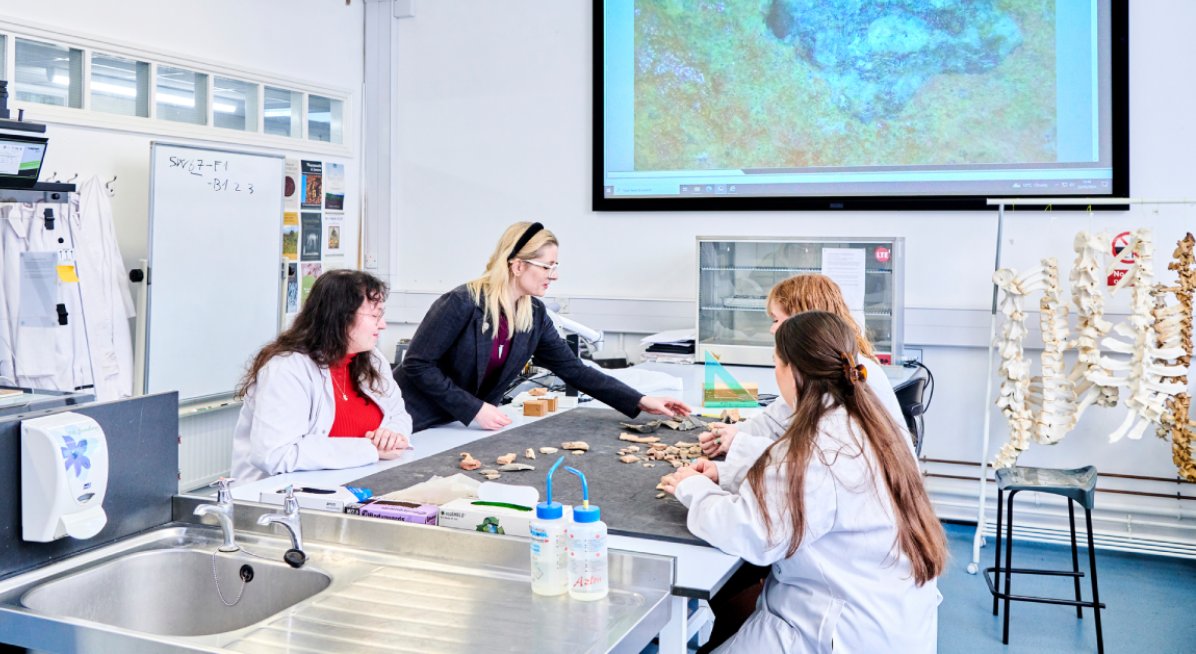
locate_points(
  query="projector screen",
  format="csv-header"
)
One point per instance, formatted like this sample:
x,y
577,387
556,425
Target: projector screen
x,y
857,104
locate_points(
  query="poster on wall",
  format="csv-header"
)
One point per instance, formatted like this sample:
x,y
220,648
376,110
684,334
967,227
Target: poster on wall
x,y
332,241
334,187
313,187
312,235
290,186
290,235
310,272
292,305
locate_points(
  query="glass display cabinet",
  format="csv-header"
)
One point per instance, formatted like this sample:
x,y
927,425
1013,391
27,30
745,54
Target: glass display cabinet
x,y
736,273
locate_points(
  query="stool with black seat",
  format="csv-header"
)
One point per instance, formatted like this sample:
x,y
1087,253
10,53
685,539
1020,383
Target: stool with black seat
x,y
1077,486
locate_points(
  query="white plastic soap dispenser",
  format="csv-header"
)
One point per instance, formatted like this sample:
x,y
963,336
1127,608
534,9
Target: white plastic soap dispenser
x,y
64,476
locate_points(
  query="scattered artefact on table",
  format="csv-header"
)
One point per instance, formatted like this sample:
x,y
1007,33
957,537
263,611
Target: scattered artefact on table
x,y
646,440
468,462
576,446
547,450
505,459
537,392
516,467
529,453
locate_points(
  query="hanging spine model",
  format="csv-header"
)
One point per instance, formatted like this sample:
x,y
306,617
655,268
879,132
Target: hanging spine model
x,y
1147,392
1015,396
1054,393
1175,330
1087,282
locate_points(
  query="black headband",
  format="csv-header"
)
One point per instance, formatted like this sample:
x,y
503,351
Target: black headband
x,y
528,233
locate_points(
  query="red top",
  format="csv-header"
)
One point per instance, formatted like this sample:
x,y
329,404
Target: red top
x,y
500,349
355,412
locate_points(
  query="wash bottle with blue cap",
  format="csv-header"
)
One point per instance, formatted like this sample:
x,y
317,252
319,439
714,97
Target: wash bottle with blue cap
x,y
586,544
549,570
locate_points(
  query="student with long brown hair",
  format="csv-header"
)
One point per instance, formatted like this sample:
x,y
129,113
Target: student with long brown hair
x,y
321,395
836,506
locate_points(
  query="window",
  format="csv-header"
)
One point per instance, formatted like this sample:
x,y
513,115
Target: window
x,y
119,86
49,74
182,95
324,119
234,104
281,115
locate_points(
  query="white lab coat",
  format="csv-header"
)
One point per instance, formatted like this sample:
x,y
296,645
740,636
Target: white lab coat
x,y
54,357
104,287
287,416
755,435
846,588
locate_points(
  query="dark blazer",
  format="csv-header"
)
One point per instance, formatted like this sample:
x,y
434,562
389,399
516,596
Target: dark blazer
x,y
441,375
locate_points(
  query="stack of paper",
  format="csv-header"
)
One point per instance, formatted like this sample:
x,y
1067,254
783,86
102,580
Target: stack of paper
x,y
672,346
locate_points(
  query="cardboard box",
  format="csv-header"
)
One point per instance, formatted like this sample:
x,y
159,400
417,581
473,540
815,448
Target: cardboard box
x,y
422,514
332,499
535,408
490,517
551,402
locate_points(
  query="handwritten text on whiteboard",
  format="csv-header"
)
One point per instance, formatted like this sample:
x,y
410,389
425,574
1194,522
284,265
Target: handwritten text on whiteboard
x,y
214,172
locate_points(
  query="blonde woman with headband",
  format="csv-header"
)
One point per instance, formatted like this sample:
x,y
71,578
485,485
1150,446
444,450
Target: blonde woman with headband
x,y
477,337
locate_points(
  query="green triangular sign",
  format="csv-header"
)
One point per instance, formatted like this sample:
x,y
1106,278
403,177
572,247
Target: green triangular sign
x,y
729,394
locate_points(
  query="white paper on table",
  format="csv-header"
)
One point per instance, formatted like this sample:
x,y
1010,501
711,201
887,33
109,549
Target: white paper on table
x,y
671,336
39,289
846,266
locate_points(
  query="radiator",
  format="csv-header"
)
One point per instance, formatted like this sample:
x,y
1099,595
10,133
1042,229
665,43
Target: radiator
x,y
205,445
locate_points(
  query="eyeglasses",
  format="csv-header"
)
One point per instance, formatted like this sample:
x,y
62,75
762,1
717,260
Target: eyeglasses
x,y
550,267
378,317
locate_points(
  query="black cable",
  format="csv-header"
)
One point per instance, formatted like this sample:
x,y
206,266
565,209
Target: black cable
x,y
914,363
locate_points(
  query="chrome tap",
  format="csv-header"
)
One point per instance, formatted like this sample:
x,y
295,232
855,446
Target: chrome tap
x,y
290,519
223,510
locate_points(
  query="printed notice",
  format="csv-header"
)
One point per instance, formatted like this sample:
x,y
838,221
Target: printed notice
x,y
846,267
39,289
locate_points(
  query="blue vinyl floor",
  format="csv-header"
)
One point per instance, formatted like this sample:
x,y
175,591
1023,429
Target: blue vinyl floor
x,y
1150,603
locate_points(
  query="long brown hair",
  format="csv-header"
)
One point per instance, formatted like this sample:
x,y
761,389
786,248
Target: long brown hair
x,y
321,330
821,349
492,289
814,292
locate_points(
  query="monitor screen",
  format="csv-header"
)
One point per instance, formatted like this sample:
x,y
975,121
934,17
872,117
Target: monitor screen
x,y
841,104
21,160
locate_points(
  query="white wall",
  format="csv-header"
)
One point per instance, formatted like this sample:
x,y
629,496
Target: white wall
x,y
312,43
494,126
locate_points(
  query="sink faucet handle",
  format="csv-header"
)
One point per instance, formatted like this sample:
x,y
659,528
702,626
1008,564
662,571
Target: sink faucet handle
x,y
224,493
290,502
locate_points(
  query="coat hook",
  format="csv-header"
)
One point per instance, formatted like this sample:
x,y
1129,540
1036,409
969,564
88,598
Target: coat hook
x,y
73,178
53,177
108,186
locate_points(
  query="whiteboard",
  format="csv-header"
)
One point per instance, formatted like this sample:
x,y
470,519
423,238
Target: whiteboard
x,y
215,247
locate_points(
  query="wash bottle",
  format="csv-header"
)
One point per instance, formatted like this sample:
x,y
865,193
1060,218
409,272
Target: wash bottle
x,y
549,566
586,545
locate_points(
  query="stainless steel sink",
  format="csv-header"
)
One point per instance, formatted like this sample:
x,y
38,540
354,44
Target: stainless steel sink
x,y
369,586
174,592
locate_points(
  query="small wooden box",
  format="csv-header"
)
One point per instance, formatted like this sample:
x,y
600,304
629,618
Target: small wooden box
x,y
535,408
551,403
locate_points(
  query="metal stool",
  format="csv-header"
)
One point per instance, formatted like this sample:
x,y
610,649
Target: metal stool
x,y
1077,485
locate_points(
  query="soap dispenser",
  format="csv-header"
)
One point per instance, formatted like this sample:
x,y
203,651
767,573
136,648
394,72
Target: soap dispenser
x,y
64,476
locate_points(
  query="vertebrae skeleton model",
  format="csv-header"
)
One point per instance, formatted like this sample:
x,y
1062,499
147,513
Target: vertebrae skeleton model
x,y
1149,355
1172,329
1156,340
1016,394
1087,282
